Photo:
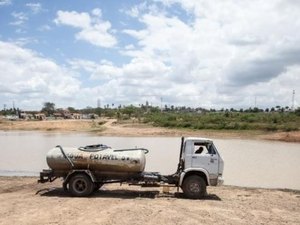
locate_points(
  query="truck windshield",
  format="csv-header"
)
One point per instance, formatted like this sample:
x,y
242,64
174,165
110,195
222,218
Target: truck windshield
x,y
211,149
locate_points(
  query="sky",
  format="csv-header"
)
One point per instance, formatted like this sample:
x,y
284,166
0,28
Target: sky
x,y
197,53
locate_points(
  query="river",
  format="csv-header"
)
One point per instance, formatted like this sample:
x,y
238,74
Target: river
x,y
248,163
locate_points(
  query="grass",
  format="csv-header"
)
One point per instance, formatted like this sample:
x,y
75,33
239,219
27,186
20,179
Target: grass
x,y
226,121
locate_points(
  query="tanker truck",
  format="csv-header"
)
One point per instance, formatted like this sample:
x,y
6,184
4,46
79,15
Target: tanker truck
x,y
85,169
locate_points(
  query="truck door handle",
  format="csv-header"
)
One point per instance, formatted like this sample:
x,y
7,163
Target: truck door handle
x,y
194,157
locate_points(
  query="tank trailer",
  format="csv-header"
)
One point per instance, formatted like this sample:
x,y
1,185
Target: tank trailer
x,y
85,169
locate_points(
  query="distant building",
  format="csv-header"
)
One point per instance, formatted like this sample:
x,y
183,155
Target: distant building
x,y
90,116
76,116
58,115
62,114
11,117
40,116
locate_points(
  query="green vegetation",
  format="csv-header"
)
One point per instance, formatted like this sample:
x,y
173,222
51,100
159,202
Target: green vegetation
x,y
273,119
49,108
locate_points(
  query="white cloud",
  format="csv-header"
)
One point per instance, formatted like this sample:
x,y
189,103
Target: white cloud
x,y
20,18
44,28
34,7
97,35
5,2
136,10
78,64
25,41
26,75
97,12
209,54
229,48
214,61
94,30
132,83
74,19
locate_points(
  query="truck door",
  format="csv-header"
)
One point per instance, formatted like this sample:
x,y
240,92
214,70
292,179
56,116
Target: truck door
x,y
204,156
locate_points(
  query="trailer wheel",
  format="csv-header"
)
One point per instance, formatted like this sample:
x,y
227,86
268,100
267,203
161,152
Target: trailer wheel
x,y
194,187
80,185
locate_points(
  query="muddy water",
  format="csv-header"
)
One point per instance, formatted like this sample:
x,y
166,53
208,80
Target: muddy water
x,y
248,163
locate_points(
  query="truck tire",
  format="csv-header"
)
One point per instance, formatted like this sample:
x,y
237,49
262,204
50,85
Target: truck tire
x,y
80,185
194,187
66,186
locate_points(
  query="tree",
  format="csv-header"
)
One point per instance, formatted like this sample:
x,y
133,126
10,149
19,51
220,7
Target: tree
x,y
297,111
278,107
72,110
49,108
129,110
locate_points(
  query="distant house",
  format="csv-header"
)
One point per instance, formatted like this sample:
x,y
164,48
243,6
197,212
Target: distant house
x,y
23,115
58,115
40,116
66,113
11,117
90,116
62,114
86,116
29,116
76,116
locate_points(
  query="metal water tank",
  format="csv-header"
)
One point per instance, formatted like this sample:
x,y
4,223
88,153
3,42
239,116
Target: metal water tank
x,y
97,158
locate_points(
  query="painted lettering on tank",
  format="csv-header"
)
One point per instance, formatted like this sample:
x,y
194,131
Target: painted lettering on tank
x,y
103,157
75,156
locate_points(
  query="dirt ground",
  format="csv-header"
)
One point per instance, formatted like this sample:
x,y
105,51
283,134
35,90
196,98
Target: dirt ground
x,y
111,127
128,205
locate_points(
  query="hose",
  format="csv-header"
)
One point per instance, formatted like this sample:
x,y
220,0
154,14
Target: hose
x,y
132,149
64,154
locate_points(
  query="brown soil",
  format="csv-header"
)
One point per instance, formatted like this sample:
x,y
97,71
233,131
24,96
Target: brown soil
x,y
111,127
128,205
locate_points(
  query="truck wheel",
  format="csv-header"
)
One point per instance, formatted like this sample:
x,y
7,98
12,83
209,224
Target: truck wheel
x,y
194,187
80,185
66,186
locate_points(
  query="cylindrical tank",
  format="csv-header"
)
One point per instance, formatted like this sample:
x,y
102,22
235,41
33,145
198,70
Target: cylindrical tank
x,y
97,159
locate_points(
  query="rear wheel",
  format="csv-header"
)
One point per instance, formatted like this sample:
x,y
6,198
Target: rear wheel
x,y
66,186
80,185
194,187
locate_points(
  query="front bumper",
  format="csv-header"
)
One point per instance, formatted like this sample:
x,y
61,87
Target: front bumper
x,y
216,181
220,181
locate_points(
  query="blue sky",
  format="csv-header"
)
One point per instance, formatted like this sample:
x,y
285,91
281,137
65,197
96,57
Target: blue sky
x,y
210,54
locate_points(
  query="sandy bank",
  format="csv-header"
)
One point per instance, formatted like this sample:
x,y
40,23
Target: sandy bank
x,y
110,127
134,205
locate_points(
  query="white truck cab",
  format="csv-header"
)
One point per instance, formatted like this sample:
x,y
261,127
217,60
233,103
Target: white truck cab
x,y
200,165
